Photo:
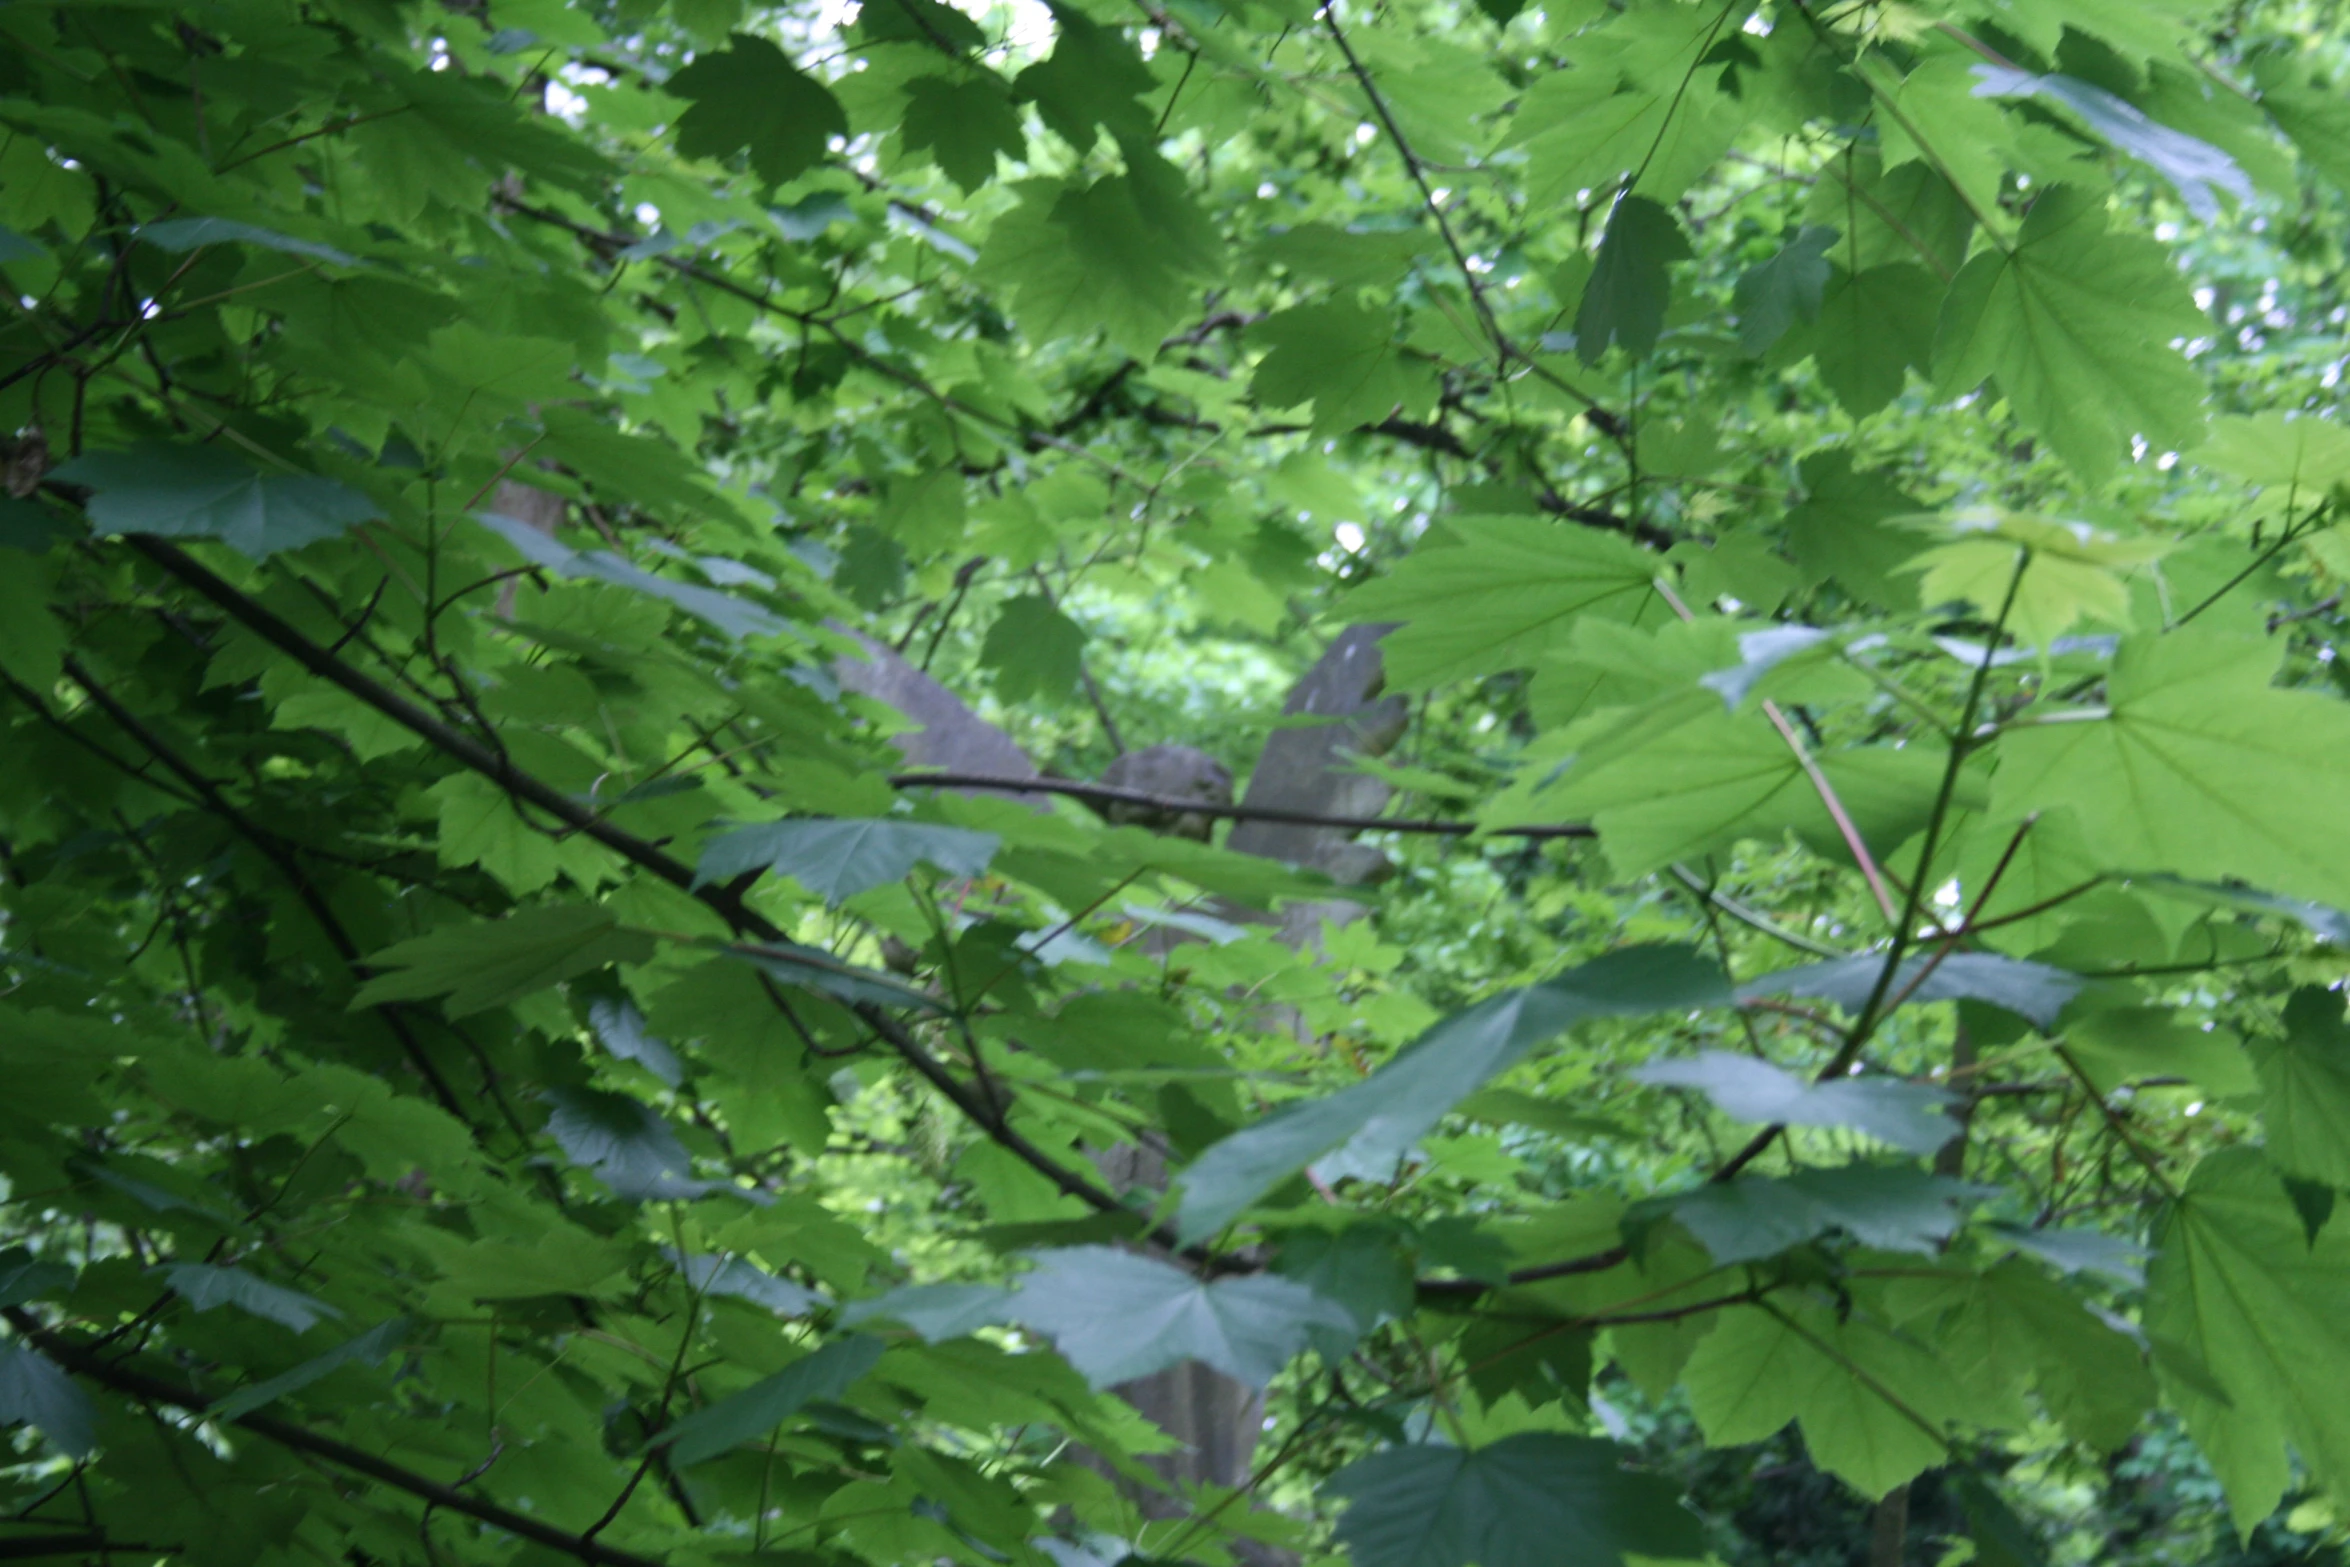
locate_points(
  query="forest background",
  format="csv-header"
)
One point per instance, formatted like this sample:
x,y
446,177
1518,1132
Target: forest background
x,y
1658,860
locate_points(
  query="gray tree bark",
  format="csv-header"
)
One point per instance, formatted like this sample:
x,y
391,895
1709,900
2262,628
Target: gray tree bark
x,y
1214,1419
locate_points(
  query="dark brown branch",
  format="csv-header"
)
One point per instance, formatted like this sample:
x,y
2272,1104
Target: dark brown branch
x,y
155,1390
1110,794
279,856
725,900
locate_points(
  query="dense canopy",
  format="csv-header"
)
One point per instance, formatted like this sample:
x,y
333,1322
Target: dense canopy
x,y
1173,780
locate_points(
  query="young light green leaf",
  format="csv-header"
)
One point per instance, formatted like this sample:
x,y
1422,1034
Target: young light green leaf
x,y
2303,454
2237,1283
1510,589
1375,1121
204,1286
750,95
487,965
1537,1499
837,859
758,1409
1117,1315
1624,303
2223,777
201,492
1761,1368
1909,1116
34,1392
2076,323
369,1348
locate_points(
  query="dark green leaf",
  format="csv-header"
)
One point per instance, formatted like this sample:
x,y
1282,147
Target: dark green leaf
x,y
1036,651
624,1144
837,859
204,1286
1624,303
1370,1125
487,965
2030,990
1888,1207
369,1348
34,1392
758,1409
201,492
964,126
1772,297
1907,1115
1532,1500
751,96
1117,1316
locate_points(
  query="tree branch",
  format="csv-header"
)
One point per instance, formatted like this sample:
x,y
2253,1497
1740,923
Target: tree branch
x,y
1110,794
155,1390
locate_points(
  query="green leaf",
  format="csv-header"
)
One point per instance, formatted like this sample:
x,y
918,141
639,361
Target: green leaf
x,y
1537,1499
1374,1122
1624,303
836,859
815,969
1889,1207
964,126
1761,1368
2011,1328
724,612
2193,167
1037,652
621,1029
185,234
2030,990
2198,768
1999,1536
1359,1267
2238,1285
2076,324
25,1277
34,1392
32,638
369,1348
934,1311
1772,297
625,1144
487,965
201,492
1510,589
751,96
1093,78
2307,455
1340,356
1120,256
1117,1316
204,1286
1840,530
1874,327
2305,1088
1909,1116
758,1409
